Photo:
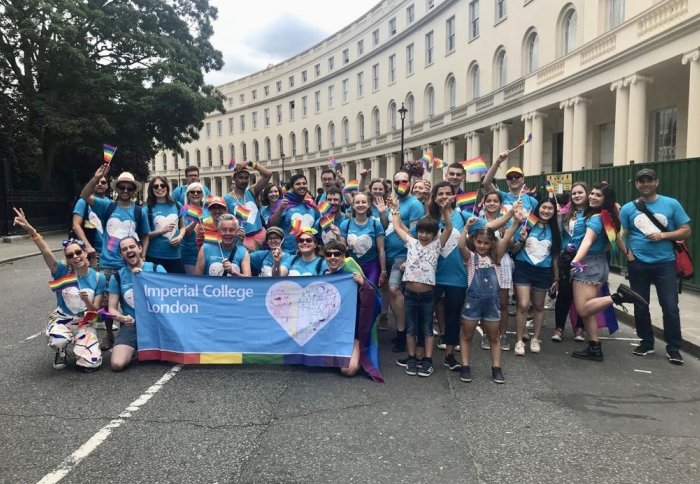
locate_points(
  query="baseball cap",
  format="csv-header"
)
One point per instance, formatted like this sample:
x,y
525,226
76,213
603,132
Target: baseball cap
x,y
648,172
217,201
515,169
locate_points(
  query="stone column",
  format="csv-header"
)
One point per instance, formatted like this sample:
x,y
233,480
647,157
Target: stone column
x,y
527,129
693,137
307,174
537,143
476,144
622,102
449,151
503,146
495,146
391,165
580,133
568,134
468,141
637,121
345,167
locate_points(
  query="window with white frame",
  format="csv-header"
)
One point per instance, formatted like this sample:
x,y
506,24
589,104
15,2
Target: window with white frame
x,y
430,101
429,48
317,101
207,130
392,26
198,157
280,144
219,128
392,116
230,125
346,131
256,150
360,47
241,98
319,143
304,76
291,81
317,70
254,94
360,84
346,90
346,56
361,127
221,155
331,135
664,130
268,149
474,81
304,106
331,96
291,110
569,31
231,152
450,34
473,19
241,123
501,70
375,37
279,114
305,140
500,10
411,107
210,157
266,90
254,119
266,117
230,102
409,59
451,93
410,14
392,68
331,63
293,143
531,43
375,77
375,123
615,13
244,150
279,86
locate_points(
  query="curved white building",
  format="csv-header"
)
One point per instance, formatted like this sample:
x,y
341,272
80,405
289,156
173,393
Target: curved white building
x,y
596,82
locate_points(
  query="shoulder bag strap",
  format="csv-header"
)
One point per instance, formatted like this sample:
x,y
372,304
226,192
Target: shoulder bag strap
x,y
642,207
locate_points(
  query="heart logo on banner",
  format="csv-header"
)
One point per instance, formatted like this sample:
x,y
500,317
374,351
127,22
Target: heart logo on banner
x,y
72,299
537,250
359,244
161,222
302,312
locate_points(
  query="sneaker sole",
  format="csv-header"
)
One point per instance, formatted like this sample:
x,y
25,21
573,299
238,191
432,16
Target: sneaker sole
x,y
403,365
674,361
411,373
645,353
465,381
60,367
500,382
425,375
505,348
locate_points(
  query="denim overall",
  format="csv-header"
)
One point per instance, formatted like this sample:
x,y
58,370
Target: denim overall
x,y
482,295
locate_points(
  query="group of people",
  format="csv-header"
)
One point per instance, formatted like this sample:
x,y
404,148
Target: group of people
x,y
430,260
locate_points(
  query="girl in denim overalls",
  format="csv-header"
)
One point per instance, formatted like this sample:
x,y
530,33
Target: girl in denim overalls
x,y
482,254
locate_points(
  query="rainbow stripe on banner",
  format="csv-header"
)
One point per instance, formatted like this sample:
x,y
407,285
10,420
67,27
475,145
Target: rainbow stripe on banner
x,y
352,186
108,152
402,188
241,212
475,166
326,222
63,282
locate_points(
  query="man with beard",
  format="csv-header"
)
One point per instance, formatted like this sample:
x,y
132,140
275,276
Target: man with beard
x,y
242,194
87,226
121,295
300,212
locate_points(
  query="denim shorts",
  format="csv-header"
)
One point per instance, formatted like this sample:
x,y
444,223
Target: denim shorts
x,y
539,278
418,307
596,271
484,308
126,336
395,272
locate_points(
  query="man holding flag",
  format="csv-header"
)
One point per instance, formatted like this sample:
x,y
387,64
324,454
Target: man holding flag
x,y
244,196
515,179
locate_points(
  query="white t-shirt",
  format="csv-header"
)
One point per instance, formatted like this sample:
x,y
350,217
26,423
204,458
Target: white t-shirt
x,y
421,261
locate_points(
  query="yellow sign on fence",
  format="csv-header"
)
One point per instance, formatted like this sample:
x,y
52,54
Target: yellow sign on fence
x,y
560,182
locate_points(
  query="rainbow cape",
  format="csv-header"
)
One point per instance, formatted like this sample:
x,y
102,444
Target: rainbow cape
x,y
610,230
475,166
63,282
326,222
108,152
352,186
606,318
241,213
402,188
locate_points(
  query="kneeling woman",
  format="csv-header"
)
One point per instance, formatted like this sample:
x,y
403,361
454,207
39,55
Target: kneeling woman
x,y
78,289
226,257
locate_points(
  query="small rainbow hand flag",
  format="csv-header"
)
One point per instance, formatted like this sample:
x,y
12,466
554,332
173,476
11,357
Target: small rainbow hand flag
x,y
438,163
208,223
550,189
212,236
231,163
326,222
465,200
531,220
526,140
88,318
295,228
350,265
352,186
427,160
241,213
324,208
475,166
108,152
192,212
63,282
106,314
609,227
402,188
333,162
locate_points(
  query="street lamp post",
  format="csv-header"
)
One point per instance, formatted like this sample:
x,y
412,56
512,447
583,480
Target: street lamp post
x,y
402,113
282,175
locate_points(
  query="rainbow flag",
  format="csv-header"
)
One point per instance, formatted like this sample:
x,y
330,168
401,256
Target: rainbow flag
x,y
231,163
350,265
324,208
402,188
427,160
526,140
241,212
208,223
352,186
550,189
108,152
326,222
63,282
438,163
192,212
333,162
475,166
531,220
212,237
609,227
106,314
295,228
465,200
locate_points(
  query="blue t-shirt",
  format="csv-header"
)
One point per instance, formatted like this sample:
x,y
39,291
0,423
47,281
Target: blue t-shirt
x,y
529,203
537,250
325,236
303,212
669,212
162,215
179,194
214,262
92,221
595,223
188,245
68,299
125,290
377,215
261,262
573,231
265,214
121,223
362,239
254,222
410,210
297,266
450,268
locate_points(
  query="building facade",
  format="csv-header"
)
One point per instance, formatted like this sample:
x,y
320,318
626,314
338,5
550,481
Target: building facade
x,y
596,83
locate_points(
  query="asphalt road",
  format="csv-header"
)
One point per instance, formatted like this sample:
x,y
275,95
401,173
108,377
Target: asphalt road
x,y
557,419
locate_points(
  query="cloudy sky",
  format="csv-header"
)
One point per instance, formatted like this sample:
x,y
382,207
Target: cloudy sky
x,y
253,34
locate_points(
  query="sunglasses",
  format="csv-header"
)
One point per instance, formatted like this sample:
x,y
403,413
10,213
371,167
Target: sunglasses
x,y
306,240
102,182
126,188
513,177
399,182
333,253
77,253
195,192
158,186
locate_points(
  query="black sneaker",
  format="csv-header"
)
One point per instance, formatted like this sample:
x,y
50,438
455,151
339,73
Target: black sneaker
x,y
593,352
497,375
60,361
451,362
402,362
426,367
412,366
625,294
441,345
644,349
465,374
674,357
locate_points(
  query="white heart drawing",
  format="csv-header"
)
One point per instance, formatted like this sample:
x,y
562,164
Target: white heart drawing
x,y
452,242
72,298
161,222
120,228
327,236
302,312
95,221
537,250
646,226
129,297
217,269
252,206
359,244
307,220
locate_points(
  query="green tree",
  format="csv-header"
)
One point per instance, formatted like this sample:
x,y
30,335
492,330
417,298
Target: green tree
x,y
78,73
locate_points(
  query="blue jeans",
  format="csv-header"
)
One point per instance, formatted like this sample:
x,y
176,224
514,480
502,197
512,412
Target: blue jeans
x,y
663,276
418,307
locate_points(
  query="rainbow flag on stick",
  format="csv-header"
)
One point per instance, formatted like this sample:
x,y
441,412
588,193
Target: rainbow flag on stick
x,y
295,228
231,163
192,212
324,208
531,220
427,160
475,166
333,162
241,213
326,222
466,200
526,140
402,188
550,189
63,282
352,186
350,265
212,237
438,163
108,152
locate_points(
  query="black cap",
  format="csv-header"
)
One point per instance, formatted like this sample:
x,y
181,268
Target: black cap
x,y
648,172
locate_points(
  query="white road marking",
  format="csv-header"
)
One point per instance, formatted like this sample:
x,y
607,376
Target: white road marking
x,y
25,339
642,371
94,442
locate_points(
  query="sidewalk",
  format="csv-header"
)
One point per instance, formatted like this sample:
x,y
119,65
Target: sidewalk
x,y
17,247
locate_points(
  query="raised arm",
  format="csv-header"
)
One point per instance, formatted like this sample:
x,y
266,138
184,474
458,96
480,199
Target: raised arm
x,y
462,243
88,190
265,173
487,183
21,221
399,227
445,208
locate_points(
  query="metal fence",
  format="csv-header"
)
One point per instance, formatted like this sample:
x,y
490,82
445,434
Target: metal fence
x,y
45,210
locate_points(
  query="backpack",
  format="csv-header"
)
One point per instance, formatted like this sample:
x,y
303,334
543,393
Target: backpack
x,y
90,232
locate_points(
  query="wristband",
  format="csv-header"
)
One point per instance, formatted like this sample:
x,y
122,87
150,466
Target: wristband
x,y
253,165
578,267
36,236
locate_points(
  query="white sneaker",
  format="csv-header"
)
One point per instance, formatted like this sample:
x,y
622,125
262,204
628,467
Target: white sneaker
x,y
534,345
485,345
529,324
519,349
